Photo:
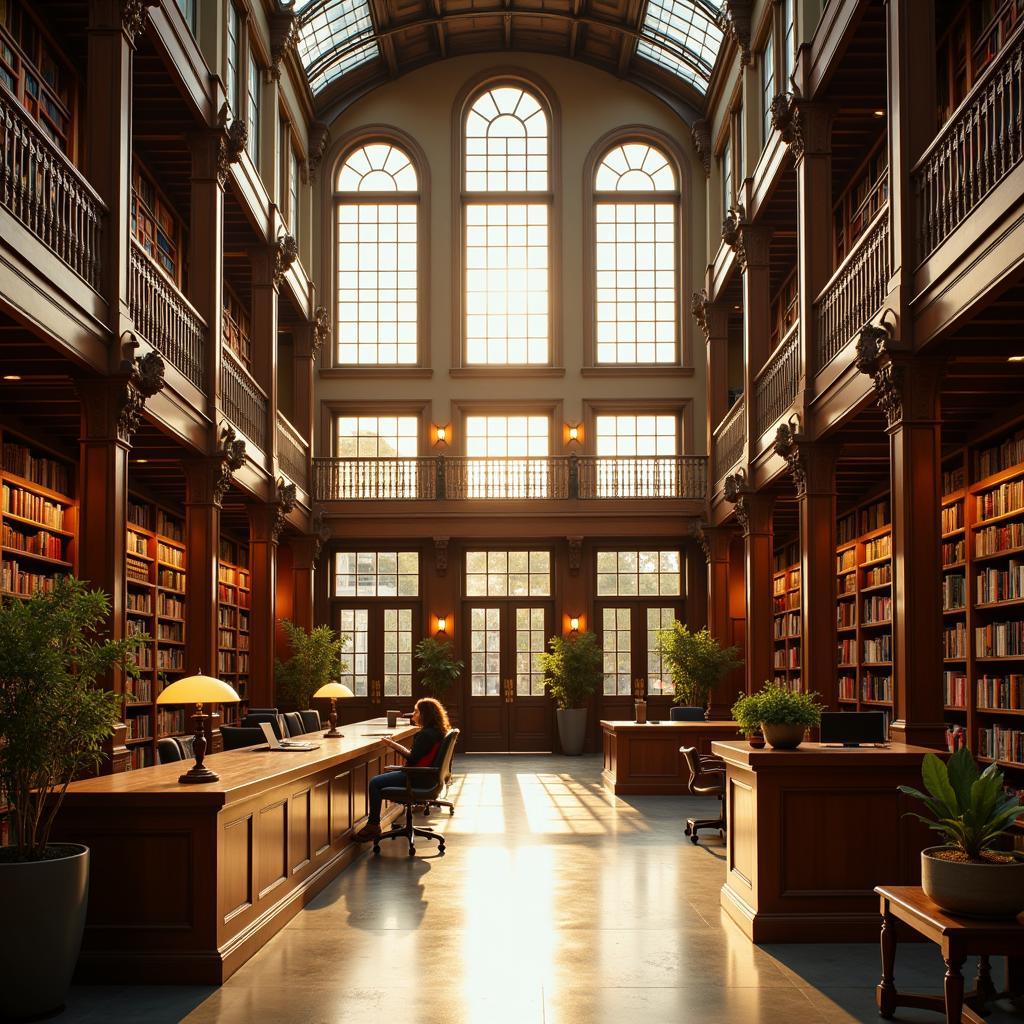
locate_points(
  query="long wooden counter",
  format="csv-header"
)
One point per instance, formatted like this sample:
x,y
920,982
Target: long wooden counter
x,y
189,881
811,832
645,759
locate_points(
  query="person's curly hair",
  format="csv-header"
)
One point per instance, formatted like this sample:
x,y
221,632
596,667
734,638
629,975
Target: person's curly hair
x,y
433,715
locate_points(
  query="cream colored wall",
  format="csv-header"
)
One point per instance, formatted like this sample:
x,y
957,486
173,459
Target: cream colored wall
x,y
590,103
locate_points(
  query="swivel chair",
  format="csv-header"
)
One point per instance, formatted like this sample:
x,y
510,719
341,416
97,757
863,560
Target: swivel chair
x,y
422,785
707,778
311,720
238,736
253,719
293,723
167,750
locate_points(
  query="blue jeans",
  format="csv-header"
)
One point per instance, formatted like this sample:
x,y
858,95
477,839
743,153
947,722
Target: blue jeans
x,y
389,780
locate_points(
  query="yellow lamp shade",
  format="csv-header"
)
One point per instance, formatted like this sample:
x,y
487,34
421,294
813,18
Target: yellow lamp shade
x,y
334,690
198,690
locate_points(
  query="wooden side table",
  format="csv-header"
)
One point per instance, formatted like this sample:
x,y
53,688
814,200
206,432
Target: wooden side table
x,y
957,938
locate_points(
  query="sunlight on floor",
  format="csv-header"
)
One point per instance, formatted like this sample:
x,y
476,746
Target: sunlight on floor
x,y
555,803
479,800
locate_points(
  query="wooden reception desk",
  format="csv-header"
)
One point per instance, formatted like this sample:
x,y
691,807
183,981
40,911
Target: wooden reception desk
x,y
812,832
187,882
645,759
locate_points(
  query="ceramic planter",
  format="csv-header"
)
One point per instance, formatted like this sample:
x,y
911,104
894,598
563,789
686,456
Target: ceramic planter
x,y
973,890
44,906
572,729
756,739
783,737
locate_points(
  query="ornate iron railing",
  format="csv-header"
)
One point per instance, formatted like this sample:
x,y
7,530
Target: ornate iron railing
x,y
166,319
456,478
973,151
292,452
776,385
243,401
729,438
855,292
47,193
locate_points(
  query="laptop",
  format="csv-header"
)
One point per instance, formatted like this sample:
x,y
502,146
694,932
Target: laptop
x,y
273,743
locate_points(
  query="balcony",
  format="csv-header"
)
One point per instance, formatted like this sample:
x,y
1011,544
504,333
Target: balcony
x,y
243,400
775,387
559,478
42,189
292,453
729,439
166,319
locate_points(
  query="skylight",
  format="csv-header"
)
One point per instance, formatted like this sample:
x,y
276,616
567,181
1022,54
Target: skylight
x,y
683,37
335,36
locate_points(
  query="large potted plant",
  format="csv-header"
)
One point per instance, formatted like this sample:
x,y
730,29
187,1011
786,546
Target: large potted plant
x,y
316,660
747,715
786,715
439,668
54,720
574,666
697,664
971,811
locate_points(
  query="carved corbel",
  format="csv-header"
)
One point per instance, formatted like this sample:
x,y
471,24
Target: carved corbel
x,y
318,133
234,136
133,17
321,533
787,119
734,21
699,309
441,555
736,490
321,333
284,504
286,252
230,458
787,446
144,378
732,233
575,555
874,358
284,34
698,534
700,132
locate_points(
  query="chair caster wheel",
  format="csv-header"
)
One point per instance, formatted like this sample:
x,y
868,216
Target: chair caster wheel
x,y
686,831
440,851
376,850
451,812
412,851
693,839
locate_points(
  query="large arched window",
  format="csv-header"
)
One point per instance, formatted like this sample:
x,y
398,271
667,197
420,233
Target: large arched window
x,y
636,256
377,206
506,198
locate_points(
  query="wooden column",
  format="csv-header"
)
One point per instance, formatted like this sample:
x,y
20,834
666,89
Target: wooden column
x,y
304,554
202,534
756,320
713,318
716,543
304,377
263,535
264,337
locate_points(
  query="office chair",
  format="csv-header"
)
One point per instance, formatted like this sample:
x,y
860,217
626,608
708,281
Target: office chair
x,y
253,719
707,778
293,723
311,720
440,802
421,785
238,736
167,750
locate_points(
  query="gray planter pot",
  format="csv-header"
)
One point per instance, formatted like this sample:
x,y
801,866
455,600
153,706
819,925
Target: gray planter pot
x,y
783,737
572,729
44,904
974,890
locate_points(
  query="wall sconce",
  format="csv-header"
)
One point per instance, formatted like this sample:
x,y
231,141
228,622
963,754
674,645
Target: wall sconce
x,y
573,433
574,624
442,623
442,433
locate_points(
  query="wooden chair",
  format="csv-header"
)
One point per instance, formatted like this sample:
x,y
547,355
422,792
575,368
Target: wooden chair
x,y
707,778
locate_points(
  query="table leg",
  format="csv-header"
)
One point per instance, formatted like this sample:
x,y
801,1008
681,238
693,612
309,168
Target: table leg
x,y
885,993
953,988
984,988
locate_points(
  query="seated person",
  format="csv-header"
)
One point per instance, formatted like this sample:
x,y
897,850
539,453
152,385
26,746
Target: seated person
x,y
432,720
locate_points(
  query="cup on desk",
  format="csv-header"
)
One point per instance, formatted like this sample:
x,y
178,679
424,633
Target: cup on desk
x,y
392,719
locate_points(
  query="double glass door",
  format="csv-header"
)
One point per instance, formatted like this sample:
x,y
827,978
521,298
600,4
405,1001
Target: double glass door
x,y
507,708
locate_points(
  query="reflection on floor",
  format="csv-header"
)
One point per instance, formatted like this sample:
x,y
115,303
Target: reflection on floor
x,y
556,903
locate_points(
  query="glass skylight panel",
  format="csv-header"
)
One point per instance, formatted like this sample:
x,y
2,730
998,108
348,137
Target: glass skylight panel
x,y
329,32
683,37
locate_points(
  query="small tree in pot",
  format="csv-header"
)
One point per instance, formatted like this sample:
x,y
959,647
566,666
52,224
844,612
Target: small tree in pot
x,y
697,664
316,660
785,714
54,721
439,668
574,666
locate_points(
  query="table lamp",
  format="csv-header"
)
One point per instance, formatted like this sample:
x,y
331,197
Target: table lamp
x,y
198,690
333,691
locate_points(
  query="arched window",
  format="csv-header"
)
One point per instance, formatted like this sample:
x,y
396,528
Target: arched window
x,y
506,198
636,256
377,208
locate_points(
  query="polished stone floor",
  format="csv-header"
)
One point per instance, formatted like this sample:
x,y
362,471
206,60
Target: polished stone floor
x,y
556,903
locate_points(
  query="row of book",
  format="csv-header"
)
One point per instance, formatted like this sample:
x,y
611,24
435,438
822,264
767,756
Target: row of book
x,y
878,648
136,543
848,583
846,652
953,480
952,517
15,580
1001,500
999,640
954,551
877,608
878,575
954,640
139,601
171,579
1004,693
846,614
140,691
846,560
954,592
875,687
956,737
787,625
26,505
993,539
141,514
1001,743
137,572
170,658
171,721
139,727
229,663
999,457
45,472
880,547
229,595
847,687
170,607
170,631
1001,584
875,516
954,689
170,555
43,543
140,757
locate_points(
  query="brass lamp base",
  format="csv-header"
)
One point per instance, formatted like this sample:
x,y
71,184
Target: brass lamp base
x,y
199,774
332,733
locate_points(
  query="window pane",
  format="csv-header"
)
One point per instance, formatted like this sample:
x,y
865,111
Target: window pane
x,y
507,457
635,167
658,679
233,60
329,34
397,639
646,446
353,626
485,652
253,110
381,456
376,574
377,167
530,640
616,642
503,573
506,140
638,574
683,37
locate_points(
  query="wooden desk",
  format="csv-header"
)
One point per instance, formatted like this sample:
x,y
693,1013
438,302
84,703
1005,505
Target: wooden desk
x,y
957,938
645,759
187,882
812,831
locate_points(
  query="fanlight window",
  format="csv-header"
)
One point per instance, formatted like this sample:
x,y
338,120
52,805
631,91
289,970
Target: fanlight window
x,y
378,167
506,141
635,167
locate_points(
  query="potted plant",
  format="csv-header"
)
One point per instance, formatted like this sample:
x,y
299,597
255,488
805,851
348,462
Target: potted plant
x,y
971,811
786,715
54,720
574,666
439,668
316,660
748,717
697,664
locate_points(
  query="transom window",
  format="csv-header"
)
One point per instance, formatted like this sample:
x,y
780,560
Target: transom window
x,y
638,573
507,456
508,573
635,455
376,256
353,626
636,211
506,202
376,574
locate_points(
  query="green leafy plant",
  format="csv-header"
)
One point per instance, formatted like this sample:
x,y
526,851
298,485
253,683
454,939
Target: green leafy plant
x,y
438,666
696,662
777,704
54,719
316,660
968,808
574,666
746,714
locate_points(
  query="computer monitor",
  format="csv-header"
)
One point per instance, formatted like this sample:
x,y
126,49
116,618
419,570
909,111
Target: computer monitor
x,y
851,728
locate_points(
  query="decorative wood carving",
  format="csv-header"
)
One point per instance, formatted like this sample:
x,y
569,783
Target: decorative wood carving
x,y
133,16
321,330
285,502
700,132
234,136
318,134
441,555
284,34
321,532
736,490
787,445
145,378
699,309
734,21
788,120
286,252
697,531
874,358
230,457
732,232
575,555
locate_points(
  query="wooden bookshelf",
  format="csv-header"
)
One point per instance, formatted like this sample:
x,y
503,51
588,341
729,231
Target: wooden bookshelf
x,y
234,599
786,618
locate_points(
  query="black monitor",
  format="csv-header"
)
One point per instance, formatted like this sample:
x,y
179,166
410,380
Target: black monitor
x,y
851,728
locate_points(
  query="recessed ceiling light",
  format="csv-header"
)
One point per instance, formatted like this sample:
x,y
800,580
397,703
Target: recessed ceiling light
x,y
736,307
1015,359
878,113
12,376
140,461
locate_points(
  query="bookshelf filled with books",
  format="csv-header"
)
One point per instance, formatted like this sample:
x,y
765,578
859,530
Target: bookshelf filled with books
x,y
786,618
234,590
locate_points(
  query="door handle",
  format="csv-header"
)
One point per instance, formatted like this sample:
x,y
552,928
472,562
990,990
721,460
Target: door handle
x,y
639,687
375,691
508,691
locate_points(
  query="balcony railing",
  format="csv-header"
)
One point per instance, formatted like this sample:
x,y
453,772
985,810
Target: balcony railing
x,y
976,148
456,478
855,292
166,319
243,400
46,192
292,452
729,439
776,385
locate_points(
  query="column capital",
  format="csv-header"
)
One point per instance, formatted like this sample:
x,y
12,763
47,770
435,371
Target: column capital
x,y
712,317
113,407
806,128
734,21
753,509
232,137
700,133
284,35
749,242
282,505
209,477
286,252
811,463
